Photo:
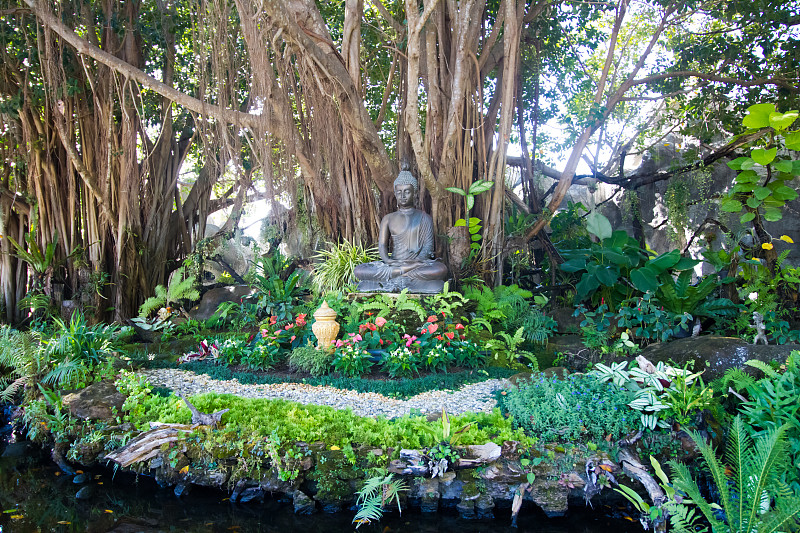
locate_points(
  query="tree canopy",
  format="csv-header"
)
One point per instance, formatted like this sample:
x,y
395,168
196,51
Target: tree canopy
x,y
125,124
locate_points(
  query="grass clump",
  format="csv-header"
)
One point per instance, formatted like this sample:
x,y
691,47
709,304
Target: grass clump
x,y
568,409
310,359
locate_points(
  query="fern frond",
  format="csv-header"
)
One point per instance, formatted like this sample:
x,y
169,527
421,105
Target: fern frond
x,y
716,469
765,368
762,464
785,516
682,479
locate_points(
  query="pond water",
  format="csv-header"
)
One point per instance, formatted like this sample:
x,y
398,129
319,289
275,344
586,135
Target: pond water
x,y
35,496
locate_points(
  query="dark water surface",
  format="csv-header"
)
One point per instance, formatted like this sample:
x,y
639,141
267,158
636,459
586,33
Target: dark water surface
x,y
35,496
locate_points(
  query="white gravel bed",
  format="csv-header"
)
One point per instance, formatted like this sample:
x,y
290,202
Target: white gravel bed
x,y
475,397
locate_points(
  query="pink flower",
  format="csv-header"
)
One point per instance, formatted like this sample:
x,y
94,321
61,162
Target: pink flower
x,y
272,320
264,333
358,338
293,338
408,343
338,343
433,327
288,327
301,319
432,318
380,321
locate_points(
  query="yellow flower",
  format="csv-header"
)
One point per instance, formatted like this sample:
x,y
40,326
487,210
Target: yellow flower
x,y
786,238
334,448
767,246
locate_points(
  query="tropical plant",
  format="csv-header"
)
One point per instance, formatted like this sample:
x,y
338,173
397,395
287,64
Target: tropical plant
x,y
377,491
335,265
751,495
680,296
473,224
76,349
651,386
278,287
179,288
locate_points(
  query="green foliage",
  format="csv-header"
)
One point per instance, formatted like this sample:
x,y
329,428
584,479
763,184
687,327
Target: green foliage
x,y
572,408
375,494
753,498
773,404
507,308
446,303
335,266
393,306
649,321
22,361
309,359
658,391
180,288
279,288
401,362
76,349
350,360
253,419
680,296
762,187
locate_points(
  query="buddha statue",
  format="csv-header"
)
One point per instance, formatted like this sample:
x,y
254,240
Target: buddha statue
x,y
411,264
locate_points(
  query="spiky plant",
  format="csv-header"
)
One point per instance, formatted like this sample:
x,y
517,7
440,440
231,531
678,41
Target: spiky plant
x,y
76,348
335,266
180,288
752,495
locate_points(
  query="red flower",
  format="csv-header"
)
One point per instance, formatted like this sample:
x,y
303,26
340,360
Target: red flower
x,y
301,319
272,320
459,326
424,331
438,337
432,318
287,327
293,338
370,326
433,327
449,335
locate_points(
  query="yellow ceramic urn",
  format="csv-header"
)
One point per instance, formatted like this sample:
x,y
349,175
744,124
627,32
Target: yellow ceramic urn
x,y
325,327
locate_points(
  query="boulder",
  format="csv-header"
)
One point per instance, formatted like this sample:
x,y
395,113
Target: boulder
x,y
211,300
98,401
715,354
303,505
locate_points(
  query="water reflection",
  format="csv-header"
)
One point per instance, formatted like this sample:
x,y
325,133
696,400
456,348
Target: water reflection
x,y
34,496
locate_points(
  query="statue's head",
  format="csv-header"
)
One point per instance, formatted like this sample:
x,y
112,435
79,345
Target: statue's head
x,y
407,178
405,189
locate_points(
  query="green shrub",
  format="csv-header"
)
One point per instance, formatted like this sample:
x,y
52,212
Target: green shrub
x,y
310,359
571,408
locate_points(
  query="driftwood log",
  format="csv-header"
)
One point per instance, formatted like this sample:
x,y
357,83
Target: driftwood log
x,y
204,419
147,445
